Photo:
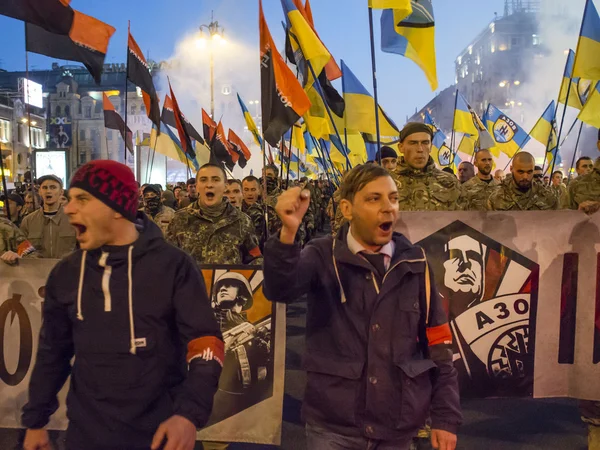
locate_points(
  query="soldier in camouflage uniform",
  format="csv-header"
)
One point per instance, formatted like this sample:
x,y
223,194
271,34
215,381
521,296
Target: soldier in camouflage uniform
x,y
160,214
519,192
13,243
211,230
560,190
475,192
584,191
421,185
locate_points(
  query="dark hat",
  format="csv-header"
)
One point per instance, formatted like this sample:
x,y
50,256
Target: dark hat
x,y
152,187
415,127
40,180
110,182
17,199
191,181
386,152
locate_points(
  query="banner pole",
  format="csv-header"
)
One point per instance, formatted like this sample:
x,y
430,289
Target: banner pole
x,y
375,94
575,151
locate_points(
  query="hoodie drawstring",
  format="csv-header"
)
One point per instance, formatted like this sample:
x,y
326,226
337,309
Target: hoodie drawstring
x,y
105,280
80,288
132,348
337,274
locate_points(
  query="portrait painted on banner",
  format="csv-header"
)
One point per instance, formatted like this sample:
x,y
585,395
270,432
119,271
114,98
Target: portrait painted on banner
x,y
245,318
490,294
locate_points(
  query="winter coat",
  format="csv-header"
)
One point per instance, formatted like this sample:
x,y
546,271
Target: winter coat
x,y
134,317
378,349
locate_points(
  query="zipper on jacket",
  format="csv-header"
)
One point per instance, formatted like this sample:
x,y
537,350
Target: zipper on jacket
x,y
375,283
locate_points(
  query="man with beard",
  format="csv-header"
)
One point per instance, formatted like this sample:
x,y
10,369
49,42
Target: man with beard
x,y
376,328
466,171
476,191
211,229
154,208
519,192
421,185
127,318
233,192
48,228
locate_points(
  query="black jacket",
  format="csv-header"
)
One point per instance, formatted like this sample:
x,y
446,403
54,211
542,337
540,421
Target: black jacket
x,y
378,349
132,343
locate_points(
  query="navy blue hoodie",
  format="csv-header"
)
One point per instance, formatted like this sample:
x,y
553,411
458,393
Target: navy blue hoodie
x,y
133,317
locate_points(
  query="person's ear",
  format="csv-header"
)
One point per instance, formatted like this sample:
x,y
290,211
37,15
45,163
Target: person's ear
x,y
346,208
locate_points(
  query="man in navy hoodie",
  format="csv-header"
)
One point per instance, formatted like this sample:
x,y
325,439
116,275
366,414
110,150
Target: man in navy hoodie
x,y
134,312
378,344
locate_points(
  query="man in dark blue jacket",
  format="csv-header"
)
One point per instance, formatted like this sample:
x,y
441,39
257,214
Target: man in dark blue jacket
x,y
378,344
134,312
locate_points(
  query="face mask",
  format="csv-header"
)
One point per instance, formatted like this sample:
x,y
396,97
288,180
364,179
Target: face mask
x,y
153,205
271,184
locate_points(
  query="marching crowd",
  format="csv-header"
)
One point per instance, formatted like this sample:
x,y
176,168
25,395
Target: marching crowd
x,y
355,344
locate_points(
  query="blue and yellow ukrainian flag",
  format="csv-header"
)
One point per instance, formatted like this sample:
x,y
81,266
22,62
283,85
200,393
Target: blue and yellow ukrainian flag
x,y
250,123
574,94
305,37
544,131
412,37
166,143
590,113
360,108
404,6
440,152
587,63
467,121
509,136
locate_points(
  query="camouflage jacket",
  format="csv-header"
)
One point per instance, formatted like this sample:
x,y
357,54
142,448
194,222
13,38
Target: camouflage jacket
x,y
508,198
256,212
475,193
13,239
163,218
227,239
585,188
308,222
562,195
429,189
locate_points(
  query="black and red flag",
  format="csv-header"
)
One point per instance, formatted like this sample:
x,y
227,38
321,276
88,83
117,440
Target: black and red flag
x,y
168,117
283,99
138,71
220,149
239,147
55,29
209,126
184,137
114,121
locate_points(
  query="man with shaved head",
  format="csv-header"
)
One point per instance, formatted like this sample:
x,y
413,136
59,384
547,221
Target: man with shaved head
x,y
466,171
520,193
477,190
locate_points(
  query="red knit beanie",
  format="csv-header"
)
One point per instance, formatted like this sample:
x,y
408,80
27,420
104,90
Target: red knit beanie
x,y
110,182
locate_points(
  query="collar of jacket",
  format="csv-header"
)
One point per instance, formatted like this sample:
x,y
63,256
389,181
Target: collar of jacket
x,y
56,218
405,169
230,214
404,252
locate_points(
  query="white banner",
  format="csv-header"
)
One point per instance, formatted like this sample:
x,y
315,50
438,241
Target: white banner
x,y
248,405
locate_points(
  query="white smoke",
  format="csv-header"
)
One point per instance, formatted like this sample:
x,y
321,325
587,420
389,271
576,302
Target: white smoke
x,y
559,24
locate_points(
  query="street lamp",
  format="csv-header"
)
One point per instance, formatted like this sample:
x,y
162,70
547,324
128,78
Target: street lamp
x,y
215,32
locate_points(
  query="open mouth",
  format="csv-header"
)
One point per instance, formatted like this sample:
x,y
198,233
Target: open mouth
x,y
386,226
210,195
80,229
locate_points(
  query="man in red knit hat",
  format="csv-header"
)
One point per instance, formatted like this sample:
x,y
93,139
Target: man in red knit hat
x,y
122,305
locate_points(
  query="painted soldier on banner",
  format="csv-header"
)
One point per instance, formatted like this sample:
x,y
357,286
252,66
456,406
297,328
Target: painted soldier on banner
x,y
490,292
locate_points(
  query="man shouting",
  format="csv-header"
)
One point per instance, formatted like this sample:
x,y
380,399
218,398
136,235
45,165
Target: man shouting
x,y
378,346
133,310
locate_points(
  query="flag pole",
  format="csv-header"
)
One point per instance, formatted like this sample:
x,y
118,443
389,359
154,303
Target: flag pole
x,y
453,141
126,81
6,208
106,139
374,67
281,147
575,151
28,111
562,122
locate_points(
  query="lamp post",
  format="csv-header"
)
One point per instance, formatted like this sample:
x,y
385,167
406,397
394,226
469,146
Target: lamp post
x,y
215,33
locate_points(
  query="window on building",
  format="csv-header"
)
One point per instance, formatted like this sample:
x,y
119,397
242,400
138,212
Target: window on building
x,y
536,39
20,133
58,111
68,111
37,138
515,41
82,135
134,110
4,130
109,134
143,109
87,112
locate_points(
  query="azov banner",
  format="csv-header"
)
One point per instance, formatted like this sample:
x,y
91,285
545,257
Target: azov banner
x,y
522,291
248,404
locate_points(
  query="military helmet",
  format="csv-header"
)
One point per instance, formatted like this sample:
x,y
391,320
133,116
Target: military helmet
x,y
239,281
